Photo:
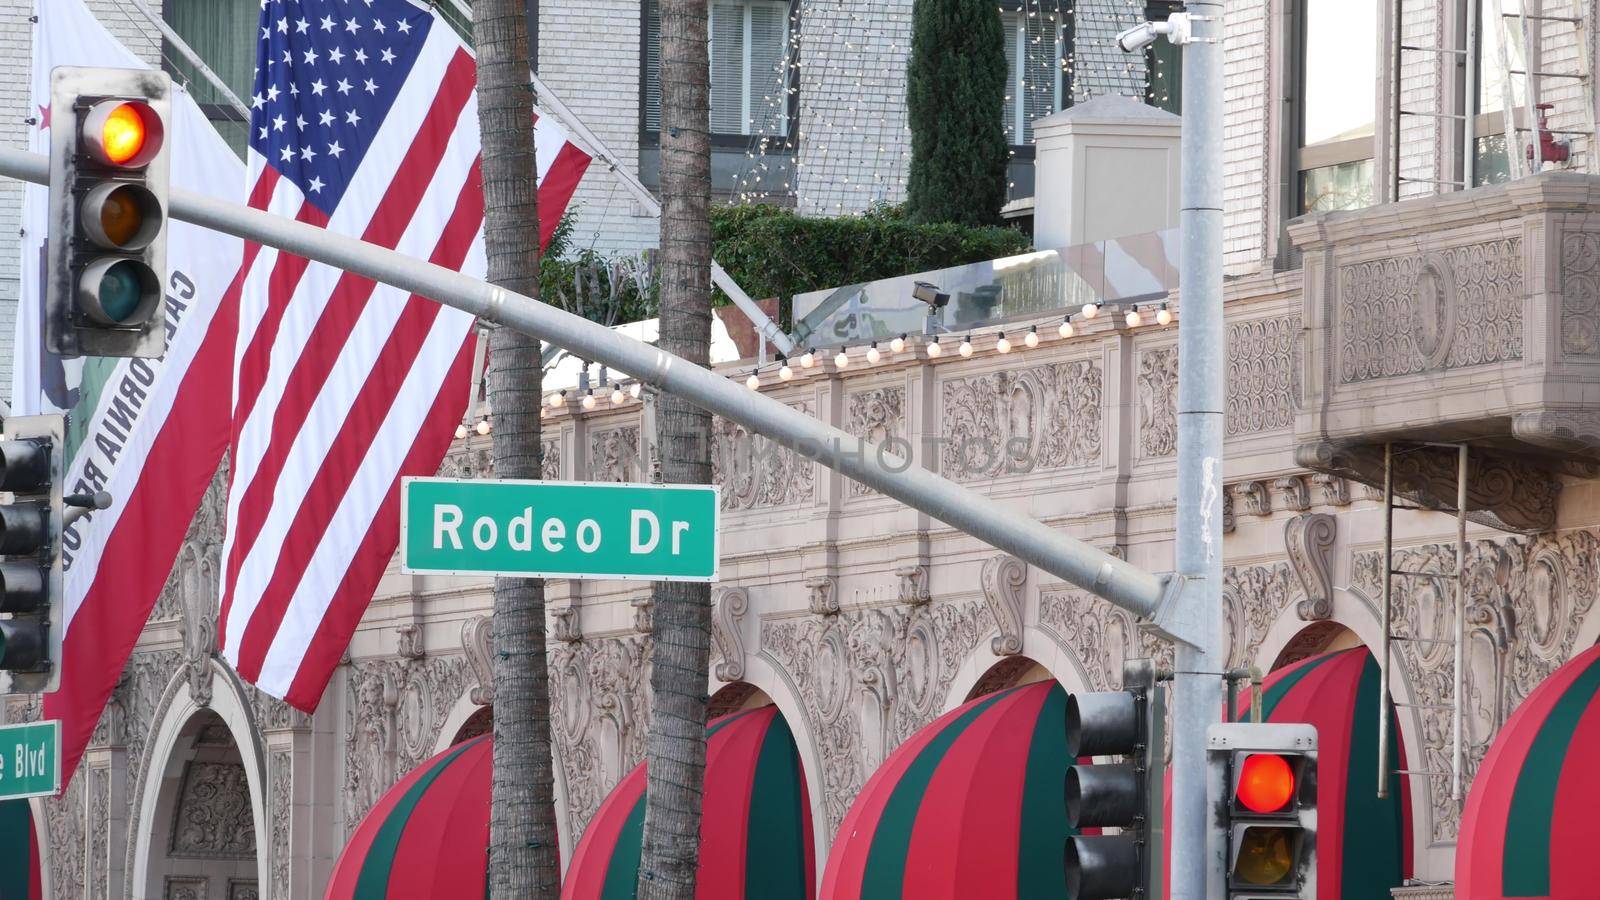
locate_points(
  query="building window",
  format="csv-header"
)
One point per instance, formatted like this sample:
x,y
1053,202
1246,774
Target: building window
x,y
222,33
1038,39
753,84
1338,66
1496,55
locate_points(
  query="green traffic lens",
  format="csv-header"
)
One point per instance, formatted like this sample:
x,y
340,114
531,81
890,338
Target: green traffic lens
x,y
120,291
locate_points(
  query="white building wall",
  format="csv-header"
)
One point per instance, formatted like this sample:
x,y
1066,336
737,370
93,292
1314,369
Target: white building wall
x,y
1247,170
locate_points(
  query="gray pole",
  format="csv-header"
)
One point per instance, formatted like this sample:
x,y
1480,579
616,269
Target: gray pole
x,y
1150,596
1198,848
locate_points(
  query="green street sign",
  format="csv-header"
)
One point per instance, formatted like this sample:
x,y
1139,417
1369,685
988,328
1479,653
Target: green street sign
x,y
30,760
559,529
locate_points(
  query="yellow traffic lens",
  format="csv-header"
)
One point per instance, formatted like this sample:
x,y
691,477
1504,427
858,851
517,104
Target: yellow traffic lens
x,y
1266,856
123,134
121,217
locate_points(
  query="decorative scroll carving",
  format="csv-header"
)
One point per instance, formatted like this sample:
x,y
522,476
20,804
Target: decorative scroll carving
x,y
614,454
1263,377
1580,295
248,890
1158,401
214,818
1253,597
1565,430
913,584
1527,599
550,460
1293,494
68,840
1007,423
186,888
280,772
568,626
878,417
1445,309
756,473
1309,538
99,826
1003,579
394,709
1251,498
1335,491
823,592
600,714
408,643
1503,492
727,611
477,645
644,620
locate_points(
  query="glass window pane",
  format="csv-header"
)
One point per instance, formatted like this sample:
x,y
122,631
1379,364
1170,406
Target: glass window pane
x,y
727,68
769,69
1011,21
1040,58
652,66
1340,60
1337,187
1491,166
1493,78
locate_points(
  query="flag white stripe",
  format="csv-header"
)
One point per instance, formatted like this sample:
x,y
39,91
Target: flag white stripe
x,y
344,383
286,201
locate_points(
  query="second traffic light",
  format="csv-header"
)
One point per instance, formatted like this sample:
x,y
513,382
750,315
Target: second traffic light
x,y
106,255
30,554
1269,774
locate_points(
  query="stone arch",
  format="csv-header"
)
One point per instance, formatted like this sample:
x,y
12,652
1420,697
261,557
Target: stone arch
x,y
1038,646
1010,672
212,734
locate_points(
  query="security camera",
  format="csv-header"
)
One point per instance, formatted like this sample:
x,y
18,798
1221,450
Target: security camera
x,y
930,294
1140,36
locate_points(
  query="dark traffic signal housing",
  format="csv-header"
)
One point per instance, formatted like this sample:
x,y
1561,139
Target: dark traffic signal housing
x,y
30,554
1269,774
105,260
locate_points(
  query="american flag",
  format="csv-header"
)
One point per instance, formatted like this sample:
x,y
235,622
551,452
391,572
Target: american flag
x,y
363,121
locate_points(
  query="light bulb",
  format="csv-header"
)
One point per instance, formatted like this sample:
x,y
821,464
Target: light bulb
x,y
1164,315
1066,330
636,389
753,382
1032,339
966,347
898,345
558,400
785,373
808,359
461,432
588,400
1090,310
483,425
873,355
842,360
1133,318
544,412
618,396
935,349
1003,345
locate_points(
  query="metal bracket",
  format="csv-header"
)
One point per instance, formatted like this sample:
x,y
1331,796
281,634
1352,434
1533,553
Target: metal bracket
x,y
1170,621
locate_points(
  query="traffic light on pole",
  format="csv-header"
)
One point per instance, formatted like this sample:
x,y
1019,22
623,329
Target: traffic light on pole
x,y
105,260
1124,795
1269,775
30,553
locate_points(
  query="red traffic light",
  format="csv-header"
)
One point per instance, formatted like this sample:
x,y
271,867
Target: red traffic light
x,y
1266,783
123,133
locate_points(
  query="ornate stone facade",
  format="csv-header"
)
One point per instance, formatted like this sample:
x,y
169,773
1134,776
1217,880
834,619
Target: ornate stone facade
x,y
1012,422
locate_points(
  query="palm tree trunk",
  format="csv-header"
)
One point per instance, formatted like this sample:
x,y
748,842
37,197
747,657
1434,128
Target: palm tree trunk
x,y
676,751
523,852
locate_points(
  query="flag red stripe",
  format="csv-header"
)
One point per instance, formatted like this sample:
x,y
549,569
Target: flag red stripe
x,y
350,600
345,306
560,182
358,429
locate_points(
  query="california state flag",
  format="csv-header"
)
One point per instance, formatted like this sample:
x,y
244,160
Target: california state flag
x,y
149,431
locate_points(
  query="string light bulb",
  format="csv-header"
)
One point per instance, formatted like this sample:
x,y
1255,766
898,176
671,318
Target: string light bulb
x,y
461,432
1090,310
1031,340
1164,315
544,413
935,349
966,347
842,360
588,399
558,399
1003,345
873,355
1066,330
784,372
754,381
808,359
483,426
636,389
1133,318
898,345
618,396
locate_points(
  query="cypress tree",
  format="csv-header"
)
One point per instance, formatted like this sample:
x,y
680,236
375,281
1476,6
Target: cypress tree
x,y
956,95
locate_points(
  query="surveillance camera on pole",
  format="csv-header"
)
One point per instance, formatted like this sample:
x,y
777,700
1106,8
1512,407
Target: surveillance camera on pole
x,y
31,508
105,261
1178,29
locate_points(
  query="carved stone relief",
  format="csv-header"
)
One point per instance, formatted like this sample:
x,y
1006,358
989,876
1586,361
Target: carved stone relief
x,y
1444,309
187,889
877,416
1003,578
280,772
394,710
213,818
823,594
1309,539
913,584
1158,401
1527,598
728,609
1102,636
614,454
566,626
1003,423
1292,492
1580,295
600,706
1250,498
477,645
756,473
1252,599
1263,378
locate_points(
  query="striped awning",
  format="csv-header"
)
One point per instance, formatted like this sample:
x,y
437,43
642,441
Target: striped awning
x,y
427,837
755,828
1530,828
1363,843
970,806
19,853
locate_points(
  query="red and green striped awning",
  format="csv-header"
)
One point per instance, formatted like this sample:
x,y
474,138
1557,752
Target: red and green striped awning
x,y
755,829
1530,828
19,853
429,835
970,806
1363,843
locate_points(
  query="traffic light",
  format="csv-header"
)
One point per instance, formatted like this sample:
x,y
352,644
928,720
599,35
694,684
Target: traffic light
x,y
1123,795
30,553
105,259
1269,773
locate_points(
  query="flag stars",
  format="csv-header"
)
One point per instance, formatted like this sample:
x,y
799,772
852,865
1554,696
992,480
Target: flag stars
x,y
326,119
327,23
287,58
286,154
352,26
378,26
300,122
272,93
370,86
388,55
261,133
361,56
336,56
279,122
334,149
257,102
294,89
316,185
283,26
352,118
343,86
317,87
307,154
404,26
310,56
301,26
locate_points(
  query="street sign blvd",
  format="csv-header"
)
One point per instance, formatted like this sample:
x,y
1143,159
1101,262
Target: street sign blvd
x,y
30,760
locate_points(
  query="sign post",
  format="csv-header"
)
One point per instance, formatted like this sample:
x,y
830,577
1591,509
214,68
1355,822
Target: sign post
x,y
30,760
559,529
